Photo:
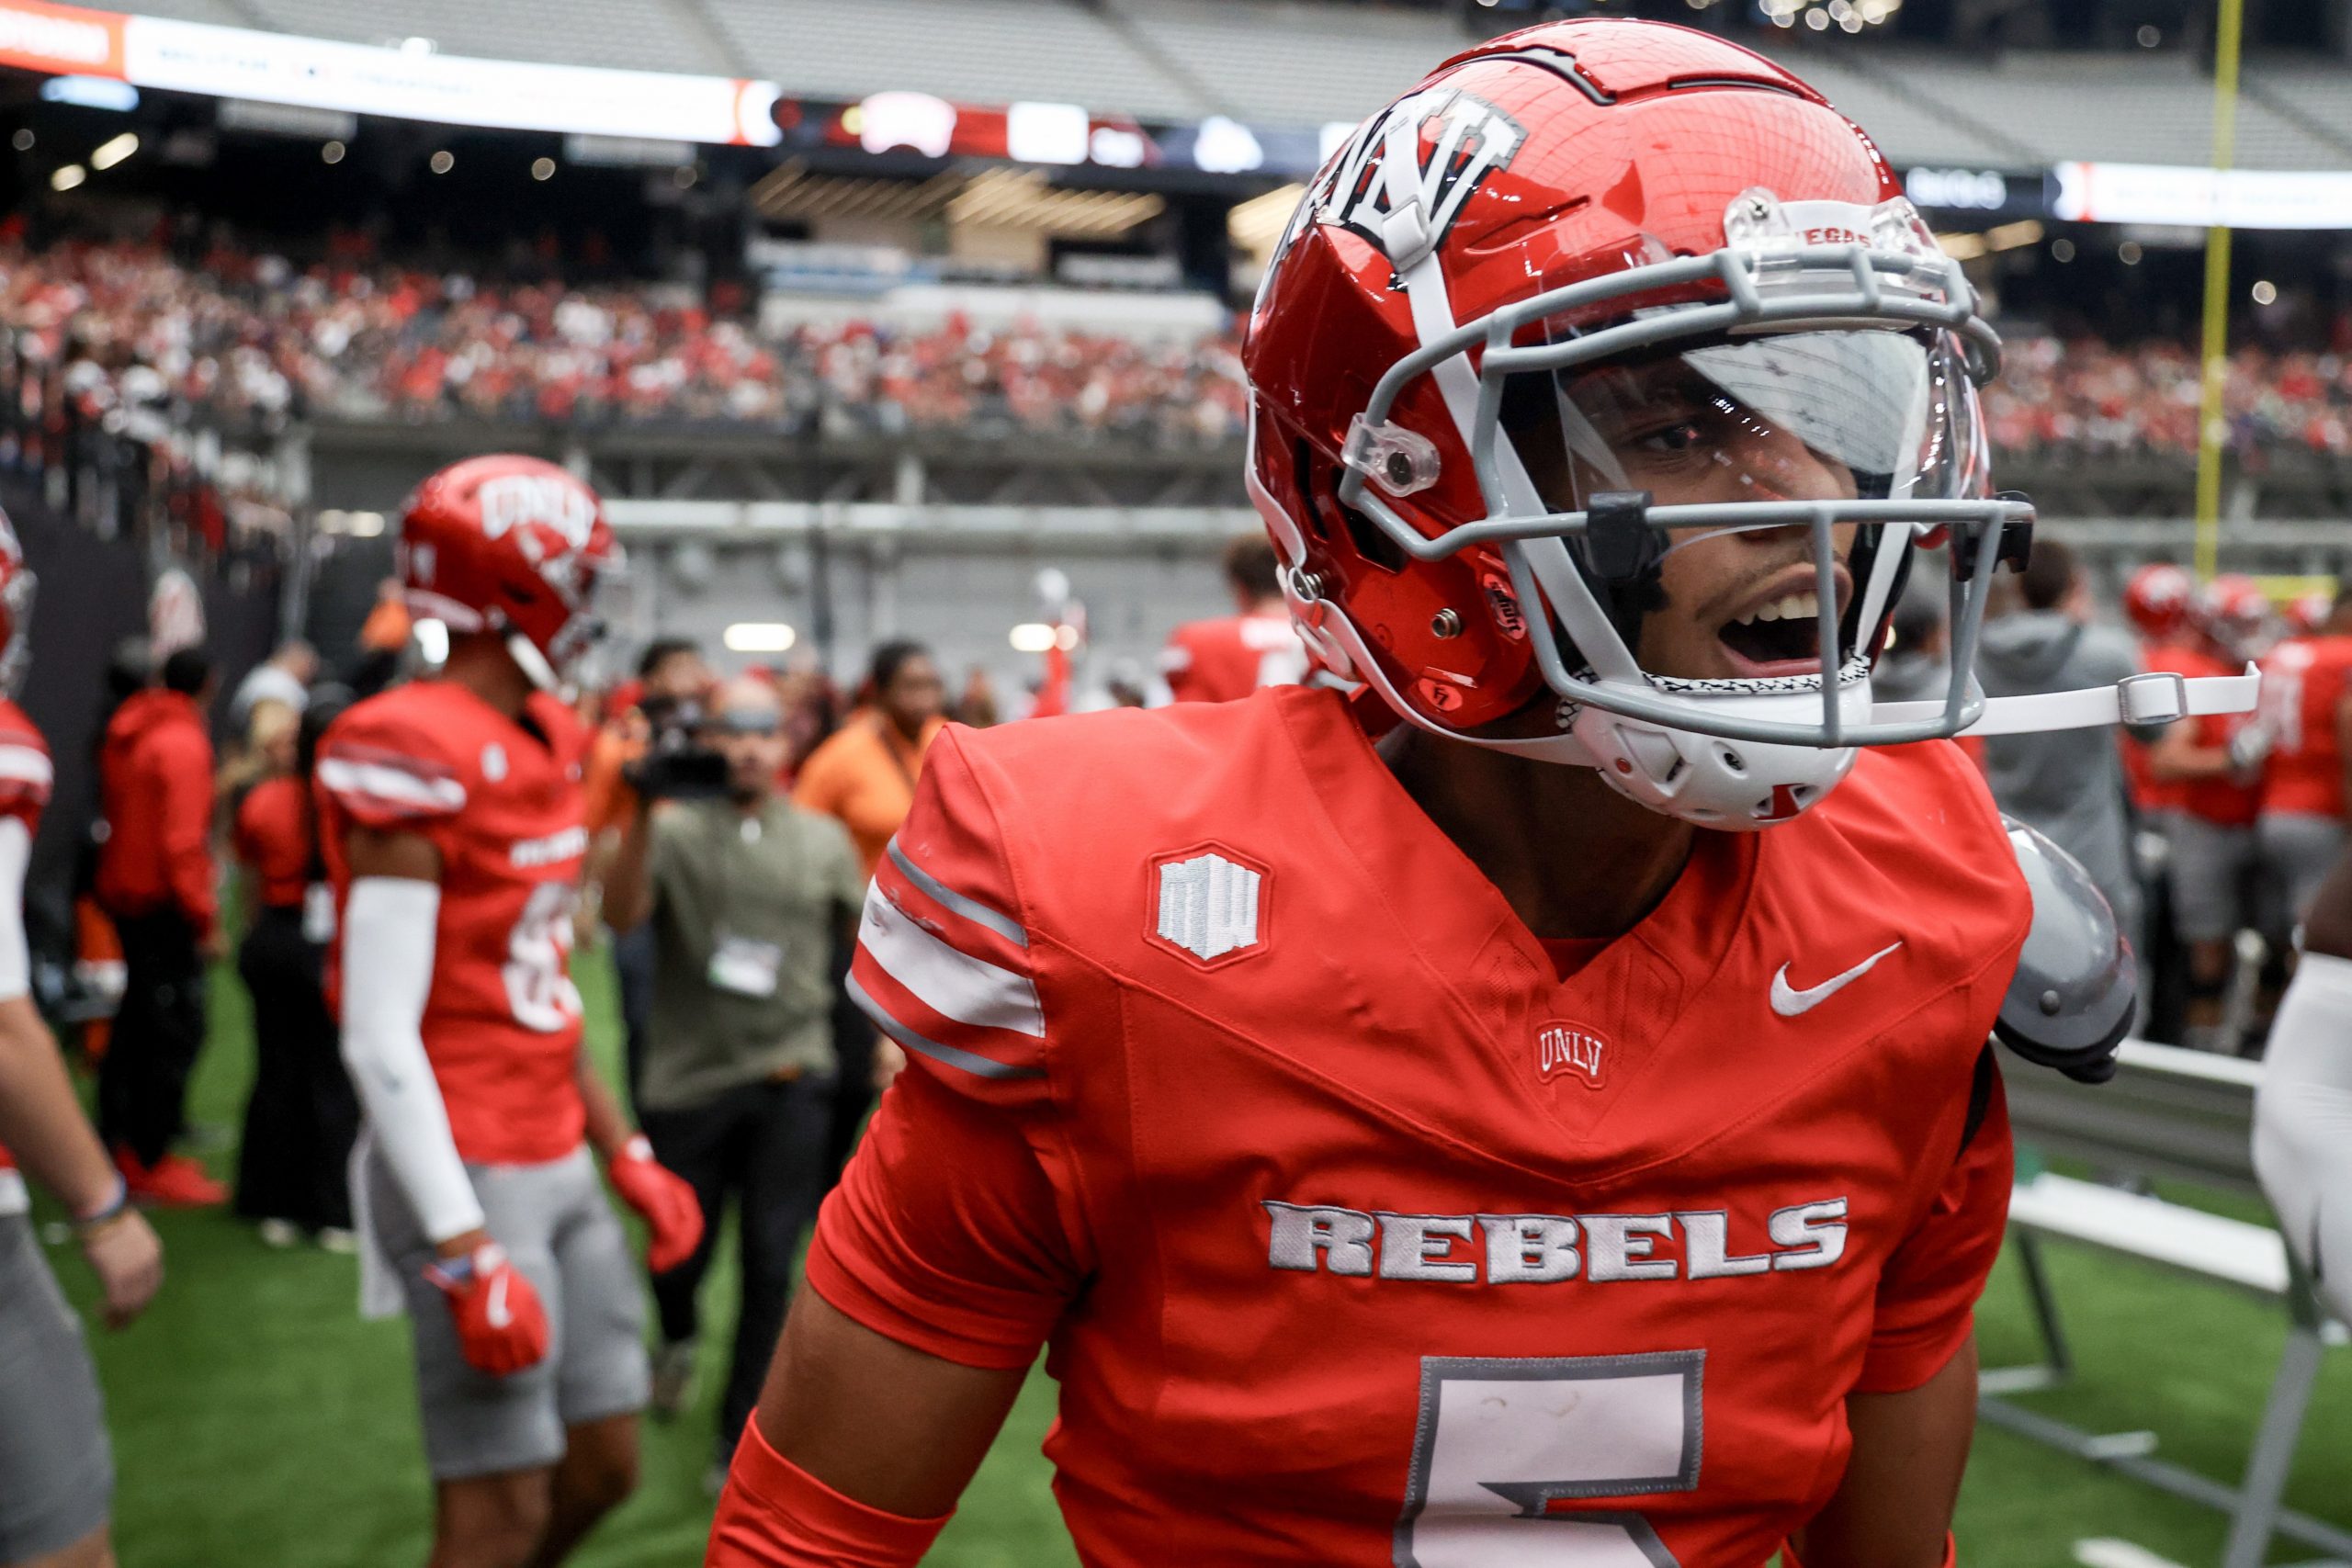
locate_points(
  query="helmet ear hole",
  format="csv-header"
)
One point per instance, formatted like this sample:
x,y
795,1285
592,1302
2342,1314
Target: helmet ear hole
x,y
1732,761
1374,545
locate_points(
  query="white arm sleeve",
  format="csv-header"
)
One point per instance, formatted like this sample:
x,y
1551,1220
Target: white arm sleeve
x,y
388,926
2302,1122
16,963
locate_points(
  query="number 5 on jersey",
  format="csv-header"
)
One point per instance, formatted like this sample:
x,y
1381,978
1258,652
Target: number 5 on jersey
x,y
1499,1440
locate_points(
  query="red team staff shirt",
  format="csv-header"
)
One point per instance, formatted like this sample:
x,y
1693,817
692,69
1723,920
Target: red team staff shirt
x,y
501,801
274,839
1353,1229
24,779
2302,685
1219,660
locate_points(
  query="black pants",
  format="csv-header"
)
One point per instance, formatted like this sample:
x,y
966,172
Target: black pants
x,y
142,1084
633,969
763,1145
303,1116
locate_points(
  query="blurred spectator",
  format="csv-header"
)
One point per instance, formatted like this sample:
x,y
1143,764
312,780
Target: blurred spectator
x,y
1215,661
977,706
2070,790
156,879
866,774
388,625
2215,891
284,677
302,1116
671,676
744,898
865,777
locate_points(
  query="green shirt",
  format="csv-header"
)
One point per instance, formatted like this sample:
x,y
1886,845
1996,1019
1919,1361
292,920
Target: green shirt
x,y
740,900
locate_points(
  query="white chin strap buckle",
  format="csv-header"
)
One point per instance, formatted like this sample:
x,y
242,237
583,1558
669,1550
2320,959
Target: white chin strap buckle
x,y
2158,697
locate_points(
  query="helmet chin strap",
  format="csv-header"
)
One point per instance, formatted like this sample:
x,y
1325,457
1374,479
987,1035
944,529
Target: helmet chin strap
x,y
533,664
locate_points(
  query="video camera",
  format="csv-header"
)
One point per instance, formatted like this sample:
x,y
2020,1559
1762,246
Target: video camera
x,y
676,765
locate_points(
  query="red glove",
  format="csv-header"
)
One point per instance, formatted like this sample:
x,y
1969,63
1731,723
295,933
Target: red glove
x,y
663,1199
502,1327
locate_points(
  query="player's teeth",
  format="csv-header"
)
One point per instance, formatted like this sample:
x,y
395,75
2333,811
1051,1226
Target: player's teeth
x,y
1807,606
1763,612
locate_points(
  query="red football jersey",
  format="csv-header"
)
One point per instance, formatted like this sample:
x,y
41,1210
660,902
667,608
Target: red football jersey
x,y
1217,661
502,801
2221,801
2302,687
2152,795
25,780
1355,1231
273,837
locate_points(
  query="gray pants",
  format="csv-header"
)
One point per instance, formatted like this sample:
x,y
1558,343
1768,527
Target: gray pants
x,y
2298,849
558,1228
2213,868
56,1469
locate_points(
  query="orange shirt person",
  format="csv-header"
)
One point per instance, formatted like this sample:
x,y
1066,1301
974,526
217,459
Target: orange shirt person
x,y
865,772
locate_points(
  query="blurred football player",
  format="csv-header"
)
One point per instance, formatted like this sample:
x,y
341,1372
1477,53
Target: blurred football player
x,y
1477,1143
2302,1114
454,826
2214,861
1218,660
2299,738
56,1467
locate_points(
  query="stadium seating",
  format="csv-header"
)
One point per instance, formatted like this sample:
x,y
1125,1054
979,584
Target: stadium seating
x,y
2183,1115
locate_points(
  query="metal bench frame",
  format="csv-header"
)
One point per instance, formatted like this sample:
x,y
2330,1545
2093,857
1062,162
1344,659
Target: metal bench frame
x,y
2190,1116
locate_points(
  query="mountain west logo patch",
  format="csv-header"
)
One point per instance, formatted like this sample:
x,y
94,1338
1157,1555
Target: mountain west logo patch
x,y
1565,1048
1208,904
1457,139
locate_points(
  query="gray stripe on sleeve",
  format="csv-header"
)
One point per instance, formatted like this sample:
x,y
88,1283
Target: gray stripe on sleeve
x,y
980,914
948,1055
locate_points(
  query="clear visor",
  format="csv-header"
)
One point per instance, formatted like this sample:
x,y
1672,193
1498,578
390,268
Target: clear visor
x,y
1835,415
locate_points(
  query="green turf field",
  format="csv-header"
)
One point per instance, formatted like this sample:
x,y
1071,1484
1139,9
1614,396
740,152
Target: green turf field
x,y
259,1424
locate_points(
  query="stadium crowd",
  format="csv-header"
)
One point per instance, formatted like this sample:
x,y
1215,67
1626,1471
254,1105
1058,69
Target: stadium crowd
x,y
243,336
249,338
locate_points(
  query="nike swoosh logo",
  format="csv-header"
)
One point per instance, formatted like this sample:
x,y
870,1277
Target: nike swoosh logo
x,y
500,1317
1788,1001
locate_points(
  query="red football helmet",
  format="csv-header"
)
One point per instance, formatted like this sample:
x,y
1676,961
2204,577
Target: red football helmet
x,y
2306,613
2157,599
2234,614
512,545
1536,324
18,585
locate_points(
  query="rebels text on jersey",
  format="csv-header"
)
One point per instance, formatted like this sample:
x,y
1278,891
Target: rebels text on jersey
x,y
502,803
1360,1236
24,779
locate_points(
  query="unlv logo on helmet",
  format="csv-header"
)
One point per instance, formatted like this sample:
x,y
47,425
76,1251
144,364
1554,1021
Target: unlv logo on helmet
x,y
1469,139
552,501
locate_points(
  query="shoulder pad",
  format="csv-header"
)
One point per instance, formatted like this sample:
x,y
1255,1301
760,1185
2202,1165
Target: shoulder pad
x,y
387,764
2076,987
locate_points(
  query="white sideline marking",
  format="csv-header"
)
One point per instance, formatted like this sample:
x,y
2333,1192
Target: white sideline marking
x,y
2105,1552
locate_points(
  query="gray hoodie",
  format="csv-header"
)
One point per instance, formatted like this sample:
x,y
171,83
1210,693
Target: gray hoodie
x,y
2068,783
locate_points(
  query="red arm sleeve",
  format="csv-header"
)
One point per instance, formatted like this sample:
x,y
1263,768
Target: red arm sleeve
x,y
1926,1297
184,767
956,1229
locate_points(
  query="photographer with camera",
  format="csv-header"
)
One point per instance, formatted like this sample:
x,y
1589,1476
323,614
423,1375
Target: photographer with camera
x,y
744,897
673,679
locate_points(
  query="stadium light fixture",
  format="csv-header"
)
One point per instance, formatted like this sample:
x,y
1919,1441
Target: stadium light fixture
x,y
113,151
543,168
442,162
2129,253
760,637
67,177
2265,292
1033,636
91,93
2062,249
331,153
